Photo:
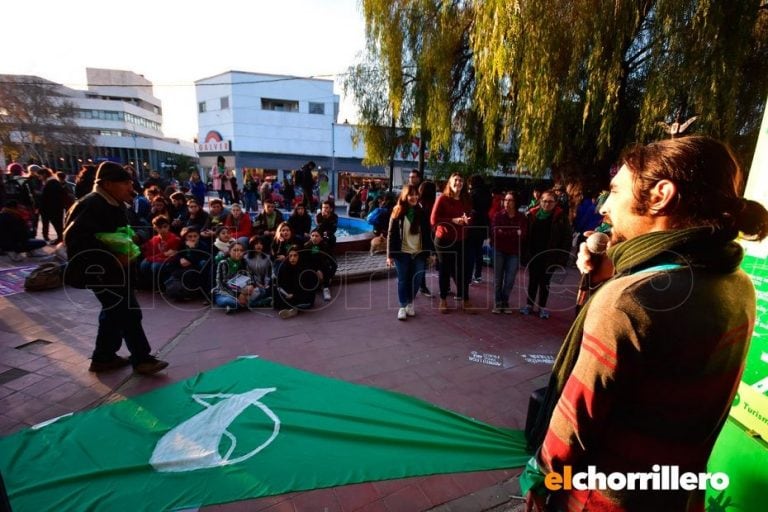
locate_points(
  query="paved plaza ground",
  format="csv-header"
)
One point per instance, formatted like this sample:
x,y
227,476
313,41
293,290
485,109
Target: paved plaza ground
x,y
483,366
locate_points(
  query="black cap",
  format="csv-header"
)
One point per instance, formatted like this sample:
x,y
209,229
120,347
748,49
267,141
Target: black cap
x,y
111,171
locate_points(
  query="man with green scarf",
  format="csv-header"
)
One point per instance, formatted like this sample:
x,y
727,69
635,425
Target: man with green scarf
x,y
650,367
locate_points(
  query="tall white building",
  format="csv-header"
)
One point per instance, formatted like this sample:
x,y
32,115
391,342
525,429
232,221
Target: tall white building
x,y
277,123
124,118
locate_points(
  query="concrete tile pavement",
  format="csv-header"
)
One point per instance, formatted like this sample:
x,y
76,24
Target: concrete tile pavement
x,y
483,366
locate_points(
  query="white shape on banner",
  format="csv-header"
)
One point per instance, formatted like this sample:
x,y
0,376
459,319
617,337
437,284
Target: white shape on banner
x,y
194,444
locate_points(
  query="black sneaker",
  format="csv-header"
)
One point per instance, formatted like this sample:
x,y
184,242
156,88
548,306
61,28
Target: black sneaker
x,y
425,292
107,366
150,365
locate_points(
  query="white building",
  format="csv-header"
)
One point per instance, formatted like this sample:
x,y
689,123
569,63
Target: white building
x,y
125,120
277,123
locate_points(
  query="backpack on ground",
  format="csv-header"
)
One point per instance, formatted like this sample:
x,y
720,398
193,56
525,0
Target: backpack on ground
x,y
46,276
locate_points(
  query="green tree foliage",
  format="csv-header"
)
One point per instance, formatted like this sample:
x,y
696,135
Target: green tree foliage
x,y
582,80
568,86
422,50
36,120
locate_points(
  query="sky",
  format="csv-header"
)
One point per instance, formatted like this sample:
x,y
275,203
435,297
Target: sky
x,y
173,43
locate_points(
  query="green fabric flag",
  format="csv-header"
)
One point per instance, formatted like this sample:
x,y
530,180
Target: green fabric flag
x,y
248,429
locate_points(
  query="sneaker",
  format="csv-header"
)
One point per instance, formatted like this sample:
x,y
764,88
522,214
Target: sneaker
x,y
507,310
409,310
38,253
544,314
326,294
525,310
150,365
425,292
497,310
285,314
107,366
477,280
401,314
230,310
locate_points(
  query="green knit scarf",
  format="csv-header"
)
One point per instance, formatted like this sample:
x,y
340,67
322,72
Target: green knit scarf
x,y
701,248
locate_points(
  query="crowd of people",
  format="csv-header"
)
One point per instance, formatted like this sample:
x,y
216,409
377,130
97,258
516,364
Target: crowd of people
x,y
646,374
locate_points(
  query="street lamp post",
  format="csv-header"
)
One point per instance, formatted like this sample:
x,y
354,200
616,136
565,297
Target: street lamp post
x,y
333,159
138,169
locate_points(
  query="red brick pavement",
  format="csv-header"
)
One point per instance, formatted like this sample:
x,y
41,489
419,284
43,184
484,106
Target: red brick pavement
x,y
356,337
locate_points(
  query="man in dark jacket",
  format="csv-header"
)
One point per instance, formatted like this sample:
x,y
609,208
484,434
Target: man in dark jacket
x,y
99,267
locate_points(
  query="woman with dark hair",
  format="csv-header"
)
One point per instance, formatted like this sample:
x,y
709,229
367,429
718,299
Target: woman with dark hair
x,y
477,232
282,243
84,180
449,219
295,285
301,224
235,289
409,246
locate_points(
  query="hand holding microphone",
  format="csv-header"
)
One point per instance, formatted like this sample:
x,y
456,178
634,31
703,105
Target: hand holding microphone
x,y
592,264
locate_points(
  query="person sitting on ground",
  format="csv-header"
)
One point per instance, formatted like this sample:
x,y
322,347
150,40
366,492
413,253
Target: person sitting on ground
x,y
216,215
295,286
301,224
320,258
282,243
327,222
187,268
409,247
15,237
159,209
266,223
177,212
239,223
235,289
260,265
196,217
222,244
158,252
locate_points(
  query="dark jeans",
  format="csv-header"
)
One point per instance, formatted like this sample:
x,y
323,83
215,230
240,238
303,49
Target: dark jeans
x,y
56,220
120,319
410,271
539,276
23,246
453,263
475,239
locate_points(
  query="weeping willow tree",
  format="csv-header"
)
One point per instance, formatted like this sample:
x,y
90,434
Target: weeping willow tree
x,y
573,83
422,52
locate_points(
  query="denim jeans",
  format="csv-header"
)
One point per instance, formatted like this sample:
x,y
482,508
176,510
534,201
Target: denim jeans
x,y
409,274
222,300
504,273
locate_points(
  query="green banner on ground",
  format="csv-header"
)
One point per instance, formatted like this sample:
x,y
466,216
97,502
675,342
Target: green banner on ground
x,y
247,429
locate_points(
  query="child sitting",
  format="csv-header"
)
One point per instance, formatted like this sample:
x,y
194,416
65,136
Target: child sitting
x,y
222,244
295,287
260,266
235,284
187,280
320,259
157,251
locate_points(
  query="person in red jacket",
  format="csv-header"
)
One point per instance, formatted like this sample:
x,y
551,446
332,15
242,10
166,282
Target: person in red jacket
x,y
508,233
449,219
157,251
239,224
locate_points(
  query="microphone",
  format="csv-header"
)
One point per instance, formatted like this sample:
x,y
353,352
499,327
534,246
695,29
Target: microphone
x,y
597,243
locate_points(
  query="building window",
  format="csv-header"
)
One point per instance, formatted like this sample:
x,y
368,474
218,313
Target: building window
x,y
279,105
316,108
201,107
225,103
